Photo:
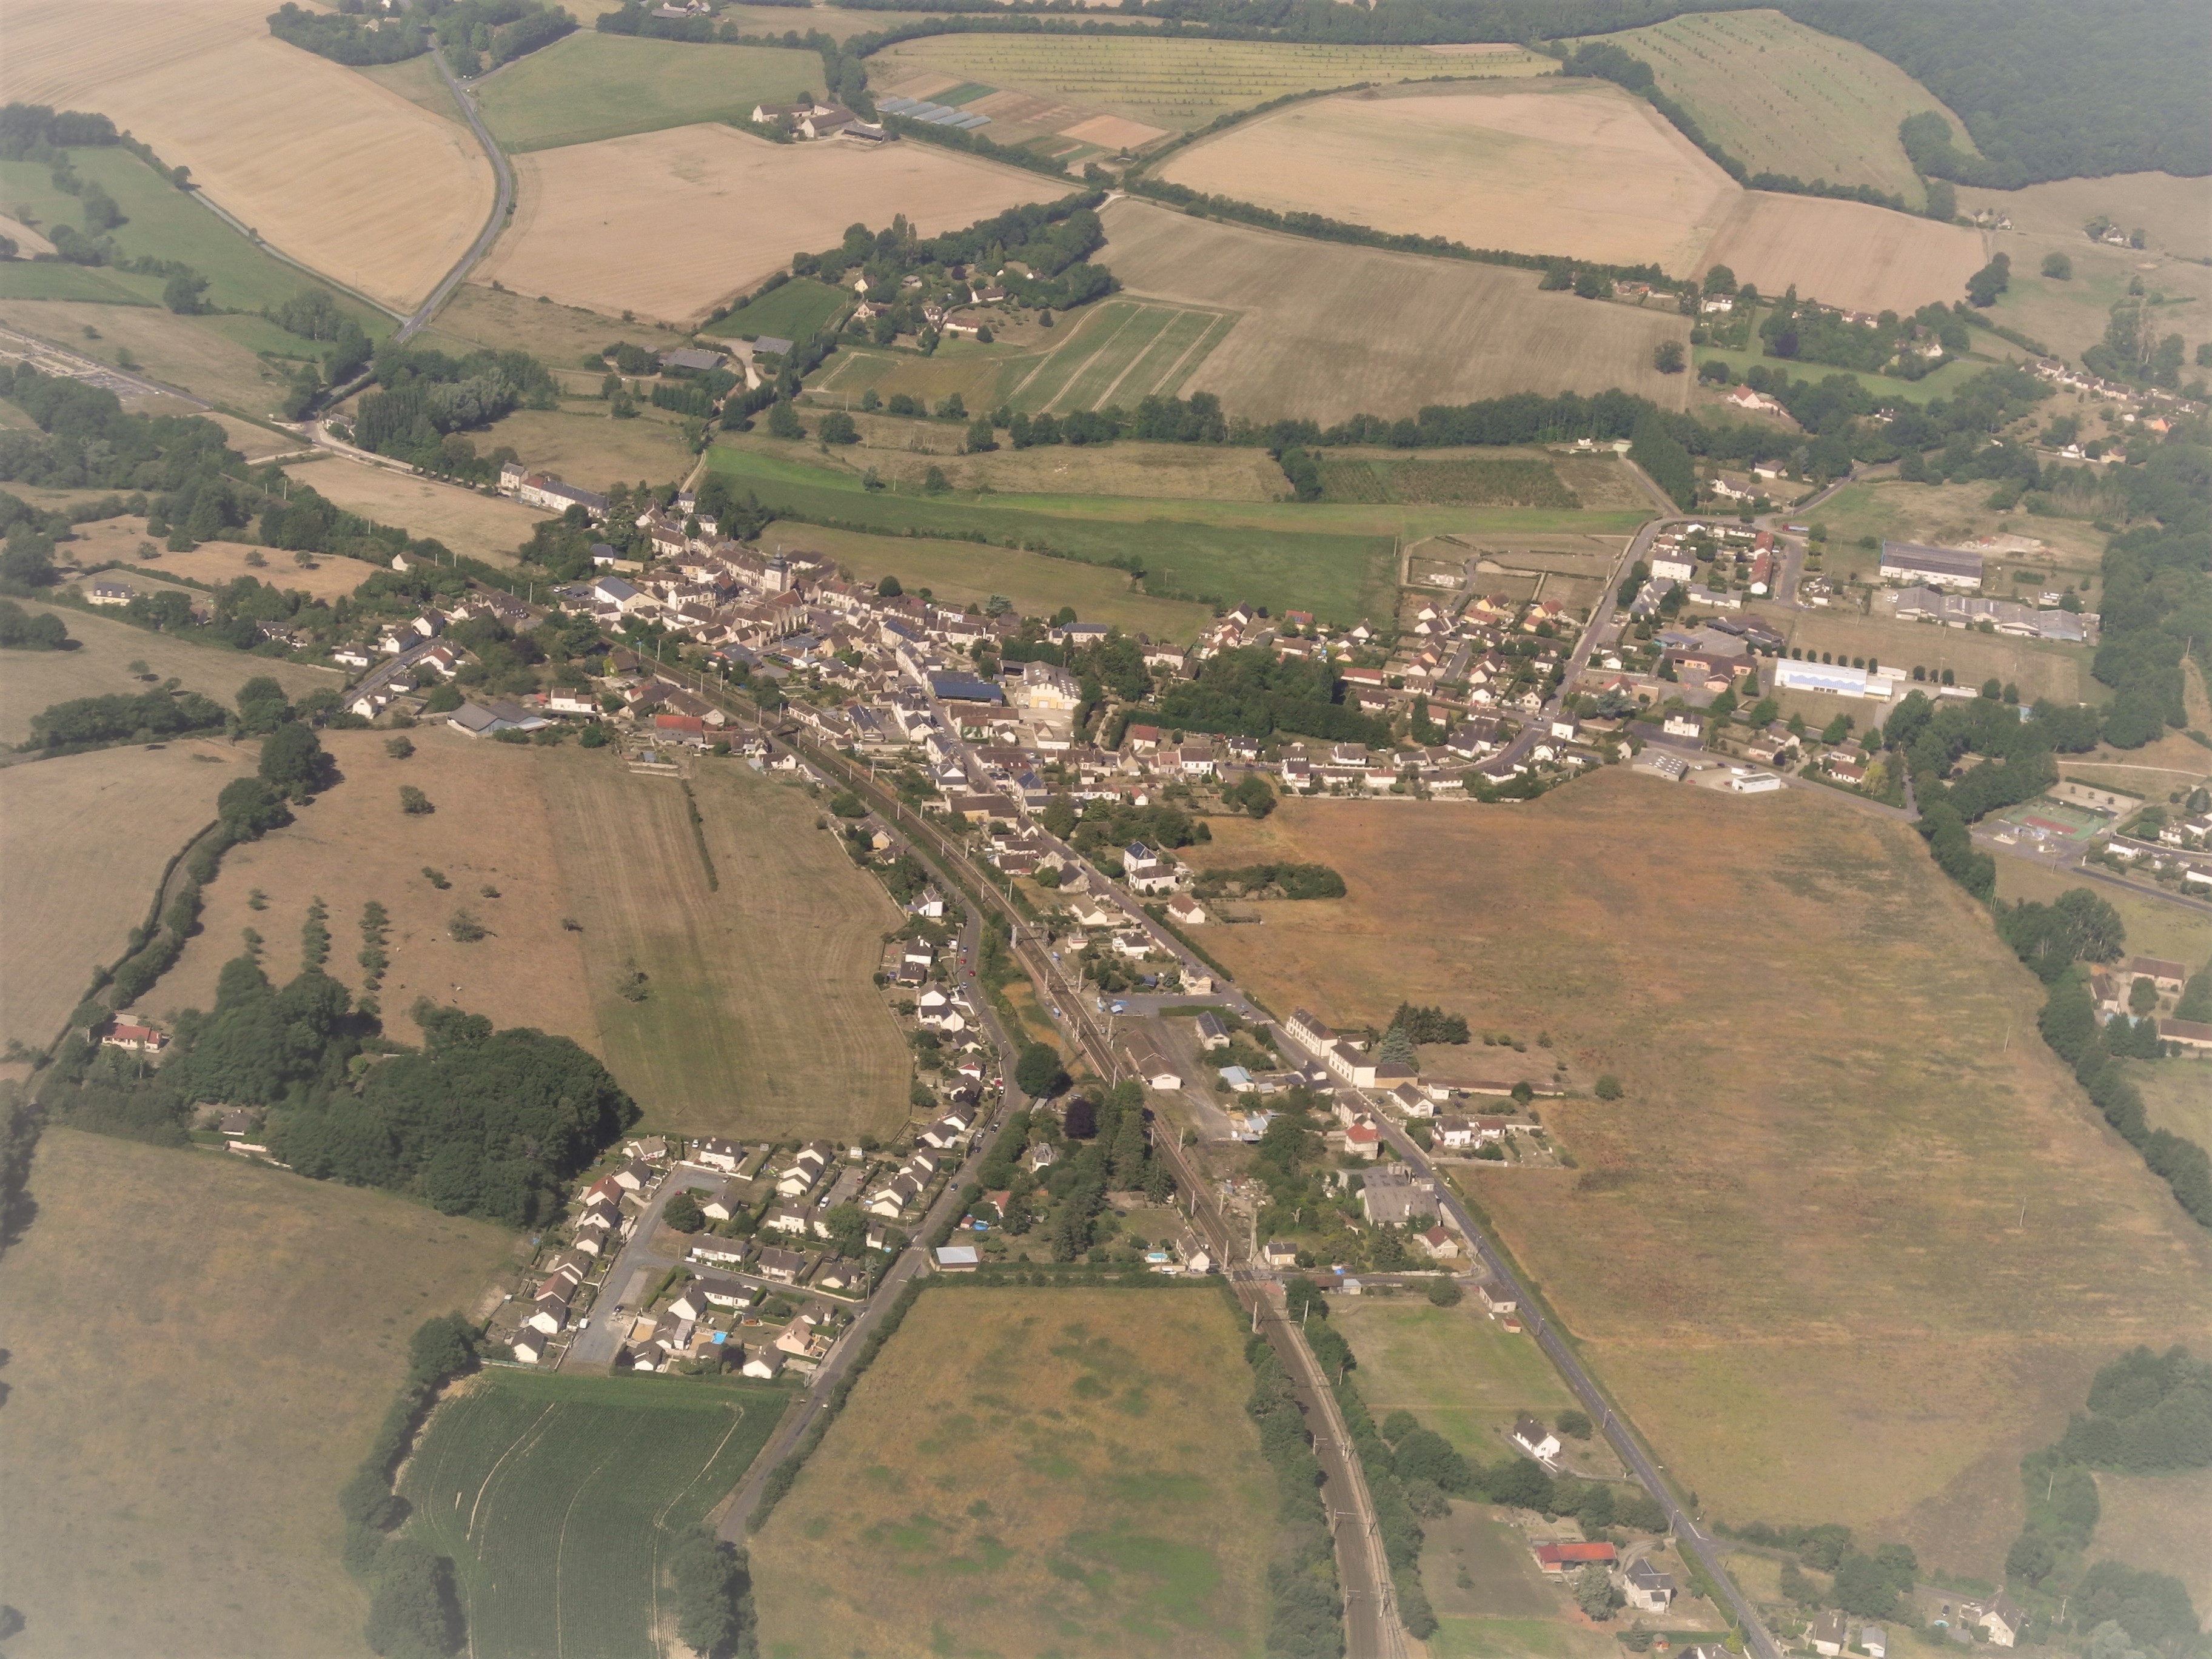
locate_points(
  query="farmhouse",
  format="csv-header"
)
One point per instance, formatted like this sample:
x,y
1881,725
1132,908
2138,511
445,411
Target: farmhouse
x,y
1540,1443
545,490
1830,1633
1647,1587
138,1039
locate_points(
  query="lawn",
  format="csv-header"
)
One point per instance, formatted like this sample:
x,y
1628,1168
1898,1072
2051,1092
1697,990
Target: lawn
x,y
1026,1471
1853,1241
795,311
555,1496
593,86
184,1499
1458,1370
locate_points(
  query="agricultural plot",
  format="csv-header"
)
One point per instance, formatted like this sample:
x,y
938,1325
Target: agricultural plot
x,y
1844,254
486,527
584,445
154,1510
720,211
1037,1471
508,321
1455,484
1805,1303
83,840
556,1497
593,86
757,1016
1327,331
799,309
1783,98
342,174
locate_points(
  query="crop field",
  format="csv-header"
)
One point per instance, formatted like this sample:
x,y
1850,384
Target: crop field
x,y
2171,211
801,307
1783,98
1844,254
555,1496
82,840
1461,1372
486,527
2041,668
1850,1281
507,321
1111,355
1327,331
1456,483
592,86
963,572
758,1017
418,81
342,174
1577,168
584,444
154,1509
720,211
1037,1471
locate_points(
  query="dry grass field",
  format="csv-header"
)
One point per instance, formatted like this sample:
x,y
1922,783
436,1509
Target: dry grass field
x,y
1783,98
1031,1471
83,840
584,444
506,321
593,86
759,1017
1844,254
354,844
1458,1370
2149,1520
1853,1241
2072,313
2041,668
33,681
2175,212
185,1500
1947,515
1577,168
197,353
903,450
1329,331
486,527
345,175
2155,926
719,211
216,562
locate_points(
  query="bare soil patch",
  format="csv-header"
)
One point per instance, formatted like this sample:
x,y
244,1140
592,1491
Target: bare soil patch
x,y
668,223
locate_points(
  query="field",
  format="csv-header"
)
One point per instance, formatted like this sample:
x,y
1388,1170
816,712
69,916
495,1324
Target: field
x,y
1457,1370
2172,210
2149,1520
799,309
1844,254
1577,168
2069,315
963,572
342,174
519,1467
1946,516
213,563
2155,926
212,357
582,443
2176,1093
418,81
33,681
560,335
83,840
186,1502
759,1017
2041,668
719,211
594,86
1484,482
1034,1470
1326,332
1783,98
486,527
1848,1278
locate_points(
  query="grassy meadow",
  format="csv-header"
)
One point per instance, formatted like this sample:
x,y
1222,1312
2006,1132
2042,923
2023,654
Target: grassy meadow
x,y
1026,1471
203,1349
1458,1370
557,1496
593,86
800,308
1853,1241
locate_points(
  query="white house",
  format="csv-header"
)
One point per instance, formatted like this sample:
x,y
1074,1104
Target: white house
x,y
1533,1437
1648,1588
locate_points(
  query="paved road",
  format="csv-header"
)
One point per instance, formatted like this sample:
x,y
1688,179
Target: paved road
x,y
502,204
595,1350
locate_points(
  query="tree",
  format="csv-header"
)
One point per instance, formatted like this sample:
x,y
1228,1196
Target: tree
x,y
1081,1119
262,707
848,1227
1573,1423
1592,284
2058,267
414,1612
1667,357
711,1584
1992,280
183,294
2142,996
1037,1072
890,588
413,802
783,420
683,1213
1445,1293
1864,1587
293,762
980,437
837,428
399,748
1593,1591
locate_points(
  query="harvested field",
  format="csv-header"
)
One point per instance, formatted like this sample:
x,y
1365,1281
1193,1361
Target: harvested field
x,y
1577,168
1844,254
513,1468
486,527
1801,1300
1458,1370
721,211
83,840
1783,98
584,445
353,845
478,316
759,1017
1038,1470
33,681
341,174
1327,331
155,1508
593,86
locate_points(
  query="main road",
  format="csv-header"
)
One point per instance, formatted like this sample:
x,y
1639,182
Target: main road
x,y
502,204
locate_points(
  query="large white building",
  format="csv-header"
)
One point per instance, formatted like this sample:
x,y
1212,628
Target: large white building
x,y
1945,566
1834,677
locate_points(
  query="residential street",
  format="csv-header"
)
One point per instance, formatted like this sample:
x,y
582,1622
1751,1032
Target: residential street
x,y
595,1350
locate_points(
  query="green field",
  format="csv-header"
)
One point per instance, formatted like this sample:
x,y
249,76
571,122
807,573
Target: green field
x,y
162,222
593,86
1458,1370
555,1496
1338,562
51,279
1032,1471
1941,384
798,309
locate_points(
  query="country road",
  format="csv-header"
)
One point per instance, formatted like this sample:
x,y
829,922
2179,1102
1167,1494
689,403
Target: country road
x,y
502,204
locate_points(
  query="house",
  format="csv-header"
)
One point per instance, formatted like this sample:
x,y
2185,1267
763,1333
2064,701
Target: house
x,y
1186,912
1279,1254
1211,1034
2170,977
1497,1299
547,1318
1534,1438
1830,1633
1875,1640
1393,1194
1441,1243
956,1259
1558,1560
2195,1035
1454,1134
764,1363
529,1345
1363,1139
1196,1257
717,1153
1648,1588
635,1175
484,720
726,1251
782,1266
1040,1156
787,1218
138,1039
